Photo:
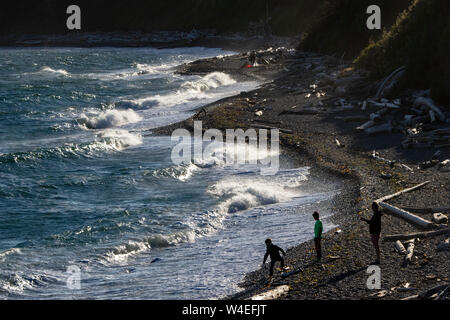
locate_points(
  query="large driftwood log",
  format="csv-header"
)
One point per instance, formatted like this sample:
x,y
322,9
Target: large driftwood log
x,y
420,235
421,101
383,128
272,294
394,195
366,125
423,223
398,72
427,210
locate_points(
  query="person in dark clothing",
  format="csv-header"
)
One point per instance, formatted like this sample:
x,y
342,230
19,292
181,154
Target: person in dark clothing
x,y
375,229
274,252
318,229
252,58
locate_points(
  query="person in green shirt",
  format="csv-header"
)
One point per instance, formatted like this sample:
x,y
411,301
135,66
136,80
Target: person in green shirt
x,y
318,228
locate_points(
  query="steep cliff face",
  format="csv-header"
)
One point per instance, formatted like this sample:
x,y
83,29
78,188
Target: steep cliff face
x,y
420,40
341,29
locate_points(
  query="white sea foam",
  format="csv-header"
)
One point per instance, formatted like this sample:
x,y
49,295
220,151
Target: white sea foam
x,y
109,140
121,253
118,139
241,193
189,91
182,172
109,118
55,71
242,153
9,252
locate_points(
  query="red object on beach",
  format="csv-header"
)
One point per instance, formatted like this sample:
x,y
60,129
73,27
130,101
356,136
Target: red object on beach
x,y
248,66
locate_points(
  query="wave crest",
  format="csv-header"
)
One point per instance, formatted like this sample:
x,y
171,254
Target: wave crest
x,y
109,118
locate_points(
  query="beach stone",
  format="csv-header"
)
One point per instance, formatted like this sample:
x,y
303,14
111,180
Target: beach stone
x,y
440,218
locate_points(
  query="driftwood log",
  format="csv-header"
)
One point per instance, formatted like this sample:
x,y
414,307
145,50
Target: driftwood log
x,y
272,294
416,220
419,235
394,195
400,247
421,101
430,292
427,210
260,126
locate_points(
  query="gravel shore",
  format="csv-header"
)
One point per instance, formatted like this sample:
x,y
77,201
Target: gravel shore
x,y
288,100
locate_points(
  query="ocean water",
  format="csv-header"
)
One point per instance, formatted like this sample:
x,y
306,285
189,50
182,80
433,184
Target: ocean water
x,y
84,184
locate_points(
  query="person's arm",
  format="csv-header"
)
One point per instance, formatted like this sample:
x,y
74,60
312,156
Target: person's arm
x,y
265,257
364,219
320,229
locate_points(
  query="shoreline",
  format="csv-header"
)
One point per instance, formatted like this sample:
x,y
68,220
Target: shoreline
x,y
342,273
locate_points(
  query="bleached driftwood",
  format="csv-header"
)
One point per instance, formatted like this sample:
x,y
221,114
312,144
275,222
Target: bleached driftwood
x,y
417,235
409,251
427,210
384,105
414,297
384,128
430,292
400,247
260,126
272,294
338,143
366,125
407,216
443,293
394,195
444,246
421,101
440,218
394,75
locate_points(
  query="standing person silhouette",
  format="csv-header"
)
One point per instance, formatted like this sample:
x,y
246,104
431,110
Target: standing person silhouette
x,y
318,229
274,252
375,229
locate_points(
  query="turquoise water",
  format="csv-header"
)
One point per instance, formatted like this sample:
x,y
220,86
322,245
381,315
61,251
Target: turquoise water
x,y
83,182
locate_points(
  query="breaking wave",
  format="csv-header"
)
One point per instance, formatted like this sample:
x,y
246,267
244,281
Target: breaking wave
x,y
106,141
54,71
109,118
242,193
182,172
189,91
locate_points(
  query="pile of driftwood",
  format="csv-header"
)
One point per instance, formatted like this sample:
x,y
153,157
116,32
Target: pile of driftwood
x,y
419,118
439,292
437,227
